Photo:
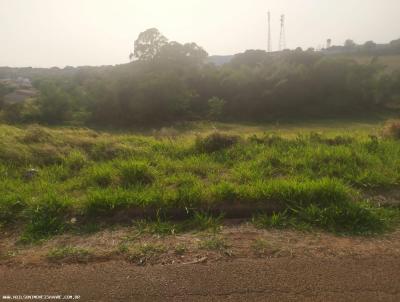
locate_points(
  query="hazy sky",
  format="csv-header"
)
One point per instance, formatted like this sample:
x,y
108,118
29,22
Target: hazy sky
x,y
44,33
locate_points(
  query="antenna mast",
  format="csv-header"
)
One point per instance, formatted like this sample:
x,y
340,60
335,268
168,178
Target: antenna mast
x,y
282,36
269,32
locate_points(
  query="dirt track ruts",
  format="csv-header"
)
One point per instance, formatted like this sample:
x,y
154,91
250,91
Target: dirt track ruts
x,y
280,279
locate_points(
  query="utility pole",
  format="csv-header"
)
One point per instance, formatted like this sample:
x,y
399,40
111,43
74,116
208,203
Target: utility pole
x,y
269,32
282,36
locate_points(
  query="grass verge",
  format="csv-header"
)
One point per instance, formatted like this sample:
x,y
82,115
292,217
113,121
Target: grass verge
x,y
49,176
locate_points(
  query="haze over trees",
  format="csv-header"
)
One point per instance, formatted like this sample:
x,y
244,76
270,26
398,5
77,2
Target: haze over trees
x,y
168,81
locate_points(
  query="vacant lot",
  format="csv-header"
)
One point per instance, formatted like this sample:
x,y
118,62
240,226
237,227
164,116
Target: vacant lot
x,y
61,179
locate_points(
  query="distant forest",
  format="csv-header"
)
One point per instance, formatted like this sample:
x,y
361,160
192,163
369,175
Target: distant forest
x,y
168,81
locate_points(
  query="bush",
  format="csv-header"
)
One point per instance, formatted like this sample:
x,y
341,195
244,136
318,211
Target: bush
x,y
392,129
215,142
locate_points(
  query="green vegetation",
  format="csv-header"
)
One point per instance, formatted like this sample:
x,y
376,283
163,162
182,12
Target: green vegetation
x,y
288,162
170,82
198,221
157,226
48,177
348,218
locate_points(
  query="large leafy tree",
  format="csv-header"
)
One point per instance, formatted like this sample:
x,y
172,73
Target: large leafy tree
x,y
148,45
189,53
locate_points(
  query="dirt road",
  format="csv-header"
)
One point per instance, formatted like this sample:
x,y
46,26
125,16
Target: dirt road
x,y
277,279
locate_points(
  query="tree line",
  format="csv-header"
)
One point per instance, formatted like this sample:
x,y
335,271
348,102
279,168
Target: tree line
x,y
167,81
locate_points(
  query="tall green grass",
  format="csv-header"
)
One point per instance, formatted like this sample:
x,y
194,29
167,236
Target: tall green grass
x,y
318,178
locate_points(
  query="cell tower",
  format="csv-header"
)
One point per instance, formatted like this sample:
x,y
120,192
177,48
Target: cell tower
x,y
282,36
269,32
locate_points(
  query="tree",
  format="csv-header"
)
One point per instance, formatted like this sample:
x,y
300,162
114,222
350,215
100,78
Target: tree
x,y
369,46
54,103
4,90
187,53
349,44
216,106
148,44
395,45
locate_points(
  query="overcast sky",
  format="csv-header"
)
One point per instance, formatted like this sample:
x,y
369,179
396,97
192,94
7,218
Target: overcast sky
x,y
45,33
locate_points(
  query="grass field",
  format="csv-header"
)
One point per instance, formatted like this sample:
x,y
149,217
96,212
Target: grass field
x,y
313,174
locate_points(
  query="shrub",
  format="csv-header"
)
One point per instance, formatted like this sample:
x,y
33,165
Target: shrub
x,y
215,142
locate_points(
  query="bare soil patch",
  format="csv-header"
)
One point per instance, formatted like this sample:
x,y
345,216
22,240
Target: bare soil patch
x,y
231,241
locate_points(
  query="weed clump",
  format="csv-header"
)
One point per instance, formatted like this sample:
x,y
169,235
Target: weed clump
x,y
46,154
392,129
268,139
214,243
215,142
102,175
69,254
45,218
36,134
145,253
203,222
75,161
335,141
105,150
276,220
10,208
158,227
136,173
351,218
260,247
